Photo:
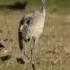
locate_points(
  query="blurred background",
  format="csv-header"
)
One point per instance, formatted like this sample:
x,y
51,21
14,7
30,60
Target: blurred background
x,y
53,49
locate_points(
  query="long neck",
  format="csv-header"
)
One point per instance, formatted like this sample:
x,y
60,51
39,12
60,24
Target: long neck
x,y
43,8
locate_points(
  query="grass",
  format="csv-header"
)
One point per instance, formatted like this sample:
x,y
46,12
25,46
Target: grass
x,y
60,6
53,50
61,3
7,1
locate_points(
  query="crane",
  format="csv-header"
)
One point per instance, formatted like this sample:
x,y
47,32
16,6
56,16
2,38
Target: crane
x,y
31,27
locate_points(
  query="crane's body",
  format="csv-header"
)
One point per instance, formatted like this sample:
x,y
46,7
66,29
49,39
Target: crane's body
x,y
31,27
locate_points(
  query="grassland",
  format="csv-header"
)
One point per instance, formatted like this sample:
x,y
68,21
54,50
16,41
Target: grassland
x,y
53,49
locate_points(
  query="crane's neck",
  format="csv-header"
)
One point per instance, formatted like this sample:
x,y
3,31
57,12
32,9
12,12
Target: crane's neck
x,y
43,11
43,7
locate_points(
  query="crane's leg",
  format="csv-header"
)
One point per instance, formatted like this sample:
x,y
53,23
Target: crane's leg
x,y
32,45
34,42
27,54
28,65
29,46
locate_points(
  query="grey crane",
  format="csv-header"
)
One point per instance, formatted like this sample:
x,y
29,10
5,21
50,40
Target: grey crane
x,y
31,27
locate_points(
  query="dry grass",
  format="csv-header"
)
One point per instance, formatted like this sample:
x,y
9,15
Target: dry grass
x,y
53,50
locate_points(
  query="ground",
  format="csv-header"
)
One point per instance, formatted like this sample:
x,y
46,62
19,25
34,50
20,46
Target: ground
x,y
53,49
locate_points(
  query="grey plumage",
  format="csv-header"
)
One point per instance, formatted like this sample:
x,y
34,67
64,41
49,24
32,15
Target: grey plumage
x,y
31,27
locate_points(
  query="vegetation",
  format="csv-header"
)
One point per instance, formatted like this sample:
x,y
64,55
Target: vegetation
x,y
53,50
60,3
